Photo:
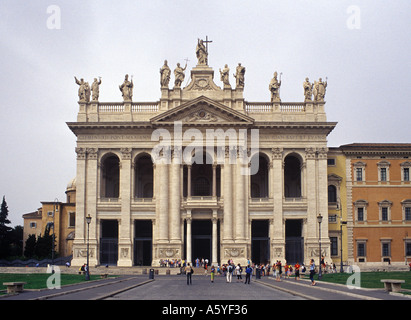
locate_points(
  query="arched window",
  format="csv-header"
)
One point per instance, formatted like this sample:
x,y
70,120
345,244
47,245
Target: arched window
x,y
292,177
259,181
110,177
143,177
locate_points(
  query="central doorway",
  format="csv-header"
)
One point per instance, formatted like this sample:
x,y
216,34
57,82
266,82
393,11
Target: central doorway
x,y
201,236
260,241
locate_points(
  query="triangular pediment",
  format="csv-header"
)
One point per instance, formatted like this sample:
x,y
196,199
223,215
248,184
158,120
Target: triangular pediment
x,y
202,111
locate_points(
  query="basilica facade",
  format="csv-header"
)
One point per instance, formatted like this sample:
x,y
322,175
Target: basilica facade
x,y
201,173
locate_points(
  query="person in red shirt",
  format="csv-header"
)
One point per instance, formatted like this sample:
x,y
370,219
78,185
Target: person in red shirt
x,y
297,271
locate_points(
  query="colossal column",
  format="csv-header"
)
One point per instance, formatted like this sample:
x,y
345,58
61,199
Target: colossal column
x,y
125,243
278,243
175,199
228,198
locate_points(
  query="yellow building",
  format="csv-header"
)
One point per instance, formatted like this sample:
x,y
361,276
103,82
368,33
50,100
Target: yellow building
x,y
337,206
61,215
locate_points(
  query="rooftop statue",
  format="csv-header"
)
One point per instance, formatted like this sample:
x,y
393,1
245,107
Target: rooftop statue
x,y
127,88
179,75
83,90
95,87
319,90
308,90
274,88
201,52
224,76
239,76
165,73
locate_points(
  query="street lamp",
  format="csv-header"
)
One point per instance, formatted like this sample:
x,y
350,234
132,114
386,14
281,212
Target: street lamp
x,y
88,220
339,206
319,220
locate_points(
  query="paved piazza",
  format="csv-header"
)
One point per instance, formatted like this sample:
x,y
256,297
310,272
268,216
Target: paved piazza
x,y
176,288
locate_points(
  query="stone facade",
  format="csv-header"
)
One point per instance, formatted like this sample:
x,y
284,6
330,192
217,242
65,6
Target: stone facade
x,y
139,164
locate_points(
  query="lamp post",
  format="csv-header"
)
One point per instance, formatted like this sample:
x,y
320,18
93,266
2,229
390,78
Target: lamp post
x,y
88,220
319,220
339,206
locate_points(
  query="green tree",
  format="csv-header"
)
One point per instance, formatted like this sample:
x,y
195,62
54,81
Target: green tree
x,y
5,230
29,248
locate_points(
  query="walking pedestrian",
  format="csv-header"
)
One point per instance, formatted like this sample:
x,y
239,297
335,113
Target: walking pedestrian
x,y
312,271
189,271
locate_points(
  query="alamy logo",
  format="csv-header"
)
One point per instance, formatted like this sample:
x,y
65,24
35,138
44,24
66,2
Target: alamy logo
x,y
54,281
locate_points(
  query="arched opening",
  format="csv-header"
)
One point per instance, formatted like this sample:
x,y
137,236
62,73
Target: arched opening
x,y
292,177
143,177
259,181
202,176
199,177
110,187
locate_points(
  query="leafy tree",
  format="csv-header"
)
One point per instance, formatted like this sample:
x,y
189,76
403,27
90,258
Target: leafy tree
x,y
30,246
4,230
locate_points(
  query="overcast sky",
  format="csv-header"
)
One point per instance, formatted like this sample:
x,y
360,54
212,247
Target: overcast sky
x,y
363,47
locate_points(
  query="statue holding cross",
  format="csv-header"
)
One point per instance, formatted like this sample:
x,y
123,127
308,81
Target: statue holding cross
x,y
202,51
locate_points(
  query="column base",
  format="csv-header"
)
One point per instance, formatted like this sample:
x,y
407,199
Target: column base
x,y
238,252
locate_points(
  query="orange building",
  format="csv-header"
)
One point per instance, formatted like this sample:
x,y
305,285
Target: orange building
x,y
379,199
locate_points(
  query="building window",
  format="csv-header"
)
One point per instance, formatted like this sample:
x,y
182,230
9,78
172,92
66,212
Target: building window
x,y
384,214
331,162
332,218
406,210
360,214
405,171
359,174
359,168
72,219
332,194
33,225
385,210
383,170
361,249
408,248
386,249
406,174
334,246
407,214
383,174
360,207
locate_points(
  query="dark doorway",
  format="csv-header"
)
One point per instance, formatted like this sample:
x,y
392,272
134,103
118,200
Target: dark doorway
x,y
260,241
109,242
294,242
143,239
201,235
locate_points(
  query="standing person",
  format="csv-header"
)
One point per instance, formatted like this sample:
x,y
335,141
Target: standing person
x,y
278,271
212,273
239,270
248,272
229,273
189,271
297,271
312,271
